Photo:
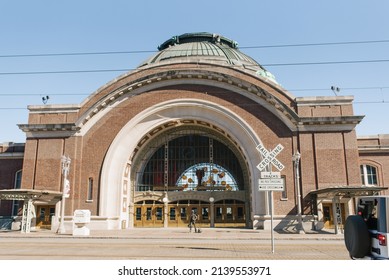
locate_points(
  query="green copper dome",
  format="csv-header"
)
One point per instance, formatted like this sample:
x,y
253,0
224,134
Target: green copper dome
x,y
208,48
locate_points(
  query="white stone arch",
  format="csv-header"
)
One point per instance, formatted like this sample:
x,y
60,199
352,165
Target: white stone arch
x,y
114,197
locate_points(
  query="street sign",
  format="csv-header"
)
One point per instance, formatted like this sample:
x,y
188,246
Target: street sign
x,y
270,157
277,184
270,175
268,181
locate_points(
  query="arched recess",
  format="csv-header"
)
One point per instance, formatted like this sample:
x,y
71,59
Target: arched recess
x,y
115,195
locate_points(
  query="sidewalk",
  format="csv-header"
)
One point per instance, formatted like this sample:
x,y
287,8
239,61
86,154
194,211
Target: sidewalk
x,y
180,233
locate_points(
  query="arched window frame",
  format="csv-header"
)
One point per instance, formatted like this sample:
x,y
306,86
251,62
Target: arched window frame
x,y
369,174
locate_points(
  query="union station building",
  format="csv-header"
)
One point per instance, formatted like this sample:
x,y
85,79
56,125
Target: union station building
x,y
199,126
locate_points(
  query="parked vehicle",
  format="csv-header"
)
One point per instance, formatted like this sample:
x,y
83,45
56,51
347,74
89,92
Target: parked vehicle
x,y
366,233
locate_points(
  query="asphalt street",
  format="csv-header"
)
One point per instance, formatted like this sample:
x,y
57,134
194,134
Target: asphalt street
x,y
168,244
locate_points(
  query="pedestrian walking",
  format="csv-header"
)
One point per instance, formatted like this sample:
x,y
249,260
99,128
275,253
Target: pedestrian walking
x,y
192,221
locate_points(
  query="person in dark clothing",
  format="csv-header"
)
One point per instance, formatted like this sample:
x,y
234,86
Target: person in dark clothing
x,y
192,221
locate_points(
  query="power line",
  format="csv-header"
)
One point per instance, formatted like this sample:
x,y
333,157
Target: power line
x,y
326,62
152,51
73,54
65,72
232,66
290,90
120,107
343,88
317,44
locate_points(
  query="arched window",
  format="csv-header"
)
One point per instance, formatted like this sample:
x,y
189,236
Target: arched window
x,y
192,162
369,175
206,176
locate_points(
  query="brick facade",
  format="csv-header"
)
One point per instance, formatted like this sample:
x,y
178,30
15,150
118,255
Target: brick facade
x,y
108,136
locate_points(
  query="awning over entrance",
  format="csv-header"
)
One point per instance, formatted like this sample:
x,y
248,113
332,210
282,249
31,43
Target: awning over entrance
x,y
338,192
42,196
347,191
29,197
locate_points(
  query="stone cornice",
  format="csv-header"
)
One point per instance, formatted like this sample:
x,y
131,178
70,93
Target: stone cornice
x,y
343,123
323,100
63,108
49,130
373,149
17,155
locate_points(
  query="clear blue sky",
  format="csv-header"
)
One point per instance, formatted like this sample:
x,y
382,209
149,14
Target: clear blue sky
x,y
47,27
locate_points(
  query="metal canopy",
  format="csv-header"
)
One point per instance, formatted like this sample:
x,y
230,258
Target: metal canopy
x,y
42,196
30,197
347,191
338,192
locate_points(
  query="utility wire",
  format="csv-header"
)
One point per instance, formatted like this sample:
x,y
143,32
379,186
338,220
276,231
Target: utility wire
x,y
232,66
317,44
152,51
290,90
119,107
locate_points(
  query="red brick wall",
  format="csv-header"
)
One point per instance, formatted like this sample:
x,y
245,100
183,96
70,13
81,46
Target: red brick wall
x,y
8,168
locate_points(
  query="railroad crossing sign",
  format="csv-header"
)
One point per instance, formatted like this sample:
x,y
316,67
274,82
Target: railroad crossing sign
x,y
270,157
270,182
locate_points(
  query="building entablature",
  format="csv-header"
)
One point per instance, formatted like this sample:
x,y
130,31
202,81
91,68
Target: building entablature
x,y
49,130
321,124
373,144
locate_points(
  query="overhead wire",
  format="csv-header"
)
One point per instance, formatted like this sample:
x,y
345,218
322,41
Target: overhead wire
x,y
153,51
150,51
131,69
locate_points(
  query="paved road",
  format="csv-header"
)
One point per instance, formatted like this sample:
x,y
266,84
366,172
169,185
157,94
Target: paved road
x,y
172,244
71,249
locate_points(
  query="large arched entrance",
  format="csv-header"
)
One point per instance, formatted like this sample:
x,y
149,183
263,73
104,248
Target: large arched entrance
x,y
190,168
126,164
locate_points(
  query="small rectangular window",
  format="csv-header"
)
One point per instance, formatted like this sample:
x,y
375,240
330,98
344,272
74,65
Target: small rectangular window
x,y
240,213
90,189
18,179
219,213
204,213
183,213
138,213
172,213
229,213
284,193
148,214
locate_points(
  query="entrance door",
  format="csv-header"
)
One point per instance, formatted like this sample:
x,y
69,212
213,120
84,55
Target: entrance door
x,y
178,215
328,215
230,213
44,214
148,214
227,213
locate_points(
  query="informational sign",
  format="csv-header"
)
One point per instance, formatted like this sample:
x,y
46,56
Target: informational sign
x,y
270,181
277,184
270,175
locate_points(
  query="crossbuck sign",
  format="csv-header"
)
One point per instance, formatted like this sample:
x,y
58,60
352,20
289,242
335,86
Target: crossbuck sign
x,y
270,157
269,181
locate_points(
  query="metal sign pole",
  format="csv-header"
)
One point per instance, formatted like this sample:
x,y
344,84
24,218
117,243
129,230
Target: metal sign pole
x,y
269,181
271,221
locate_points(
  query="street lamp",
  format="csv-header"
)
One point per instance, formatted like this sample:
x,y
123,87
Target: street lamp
x,y
65,163
296,159
165,209
212,212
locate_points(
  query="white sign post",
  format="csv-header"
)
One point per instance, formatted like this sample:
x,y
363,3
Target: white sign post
x,y
270,181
